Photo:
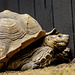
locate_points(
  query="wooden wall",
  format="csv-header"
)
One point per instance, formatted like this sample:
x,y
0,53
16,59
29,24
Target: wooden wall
x,y
49,13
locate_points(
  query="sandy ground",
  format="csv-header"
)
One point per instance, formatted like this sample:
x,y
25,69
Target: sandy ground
x,y
62,69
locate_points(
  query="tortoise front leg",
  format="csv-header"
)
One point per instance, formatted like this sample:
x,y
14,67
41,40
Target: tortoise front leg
x,y
31,59
30,65
40,58
63,57
44,56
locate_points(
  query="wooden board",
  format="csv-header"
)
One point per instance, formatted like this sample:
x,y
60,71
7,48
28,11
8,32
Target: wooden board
x,y
49,13
73,16
43,13
1,5
26,6
11,5
63,19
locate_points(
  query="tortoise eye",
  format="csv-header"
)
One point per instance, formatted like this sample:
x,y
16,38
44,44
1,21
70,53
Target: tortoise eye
x,y
59,36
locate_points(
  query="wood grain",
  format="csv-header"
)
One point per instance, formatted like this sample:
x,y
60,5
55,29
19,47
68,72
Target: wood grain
x,y
63,19
49,13
1,5
11,5
26,6
43,12
73,16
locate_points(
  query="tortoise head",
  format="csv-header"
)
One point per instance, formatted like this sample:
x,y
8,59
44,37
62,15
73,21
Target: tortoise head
x,y
58,41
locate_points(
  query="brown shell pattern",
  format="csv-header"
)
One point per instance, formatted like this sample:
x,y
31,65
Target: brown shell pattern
x,y
16,32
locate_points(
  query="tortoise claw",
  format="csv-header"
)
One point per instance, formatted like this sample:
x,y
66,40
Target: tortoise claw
x,y
30,65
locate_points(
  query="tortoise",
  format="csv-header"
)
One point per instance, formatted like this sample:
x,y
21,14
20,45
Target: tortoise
x,y
25,45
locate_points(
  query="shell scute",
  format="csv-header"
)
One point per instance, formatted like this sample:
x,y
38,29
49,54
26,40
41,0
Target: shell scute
x,y
16,32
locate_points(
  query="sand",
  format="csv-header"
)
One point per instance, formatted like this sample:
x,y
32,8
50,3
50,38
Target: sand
x,y
62,69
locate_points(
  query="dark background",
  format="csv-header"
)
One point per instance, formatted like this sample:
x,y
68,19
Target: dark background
x,y
49,13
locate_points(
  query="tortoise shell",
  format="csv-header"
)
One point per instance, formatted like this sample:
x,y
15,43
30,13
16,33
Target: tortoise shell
x,y
16,32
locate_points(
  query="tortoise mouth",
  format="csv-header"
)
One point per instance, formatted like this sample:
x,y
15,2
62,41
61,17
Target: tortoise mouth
x,y
61,45
64,42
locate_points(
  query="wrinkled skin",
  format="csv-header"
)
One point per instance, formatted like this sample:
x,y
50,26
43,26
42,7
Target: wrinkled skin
x,y
41,56
59,41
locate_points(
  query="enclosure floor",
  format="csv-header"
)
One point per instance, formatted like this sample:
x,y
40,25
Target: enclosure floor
x,y
63,69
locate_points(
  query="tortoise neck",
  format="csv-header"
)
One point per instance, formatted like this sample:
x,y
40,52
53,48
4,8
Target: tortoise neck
x,y
53,46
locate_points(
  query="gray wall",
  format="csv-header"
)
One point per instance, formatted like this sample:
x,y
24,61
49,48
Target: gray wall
x,y
49,13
